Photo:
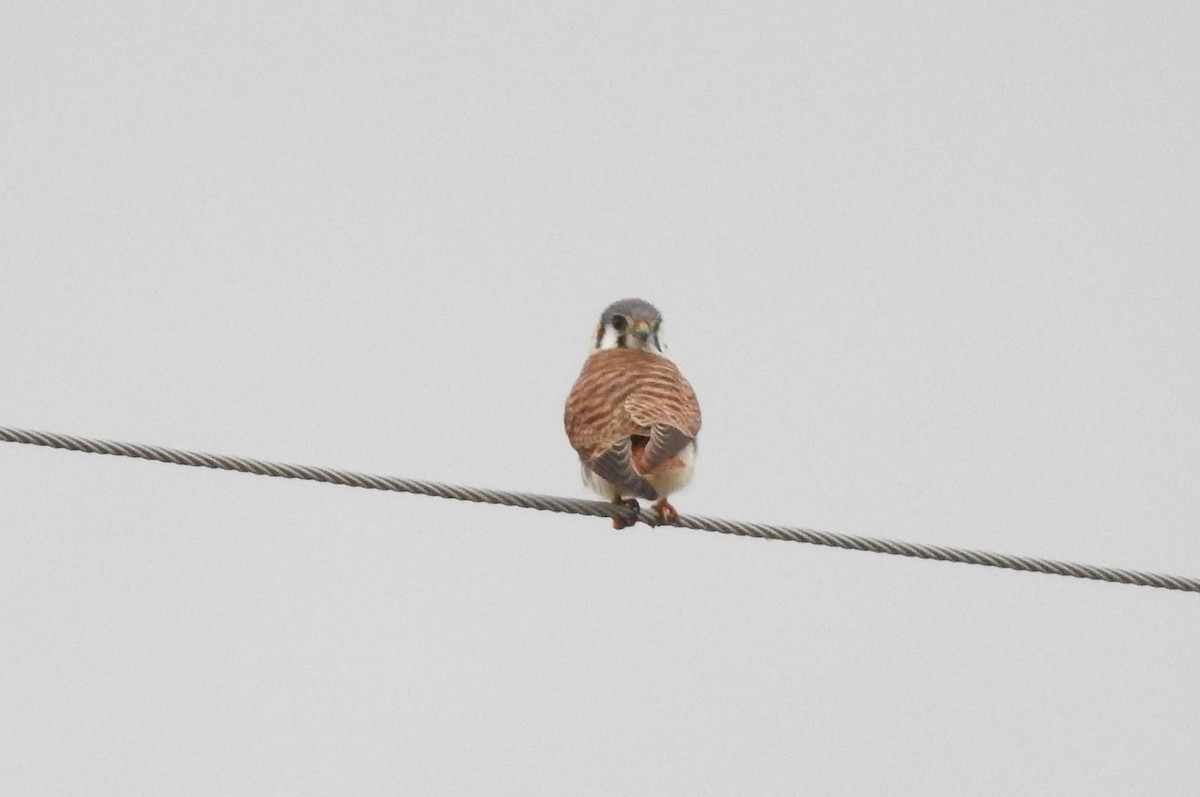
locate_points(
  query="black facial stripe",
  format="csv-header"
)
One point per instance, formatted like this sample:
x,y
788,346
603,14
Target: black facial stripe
x,y
621,341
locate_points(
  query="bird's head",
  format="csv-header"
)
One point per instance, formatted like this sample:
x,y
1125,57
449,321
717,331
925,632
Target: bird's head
x,y
629,324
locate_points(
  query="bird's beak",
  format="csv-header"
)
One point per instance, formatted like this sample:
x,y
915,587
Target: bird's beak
x,y
641,330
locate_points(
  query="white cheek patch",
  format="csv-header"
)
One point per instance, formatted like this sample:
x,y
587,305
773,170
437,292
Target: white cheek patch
x,y
608,340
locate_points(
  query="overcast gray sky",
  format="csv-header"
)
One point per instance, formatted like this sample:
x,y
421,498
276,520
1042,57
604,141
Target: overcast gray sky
x,y
932,268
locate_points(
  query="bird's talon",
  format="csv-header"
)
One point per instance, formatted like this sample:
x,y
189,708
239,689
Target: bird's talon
x,y
631,519
666,513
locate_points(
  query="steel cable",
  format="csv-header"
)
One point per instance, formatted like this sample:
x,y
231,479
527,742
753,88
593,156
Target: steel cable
x,y
550,503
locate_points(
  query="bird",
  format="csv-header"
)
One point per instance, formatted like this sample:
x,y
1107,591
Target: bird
x,y
631,416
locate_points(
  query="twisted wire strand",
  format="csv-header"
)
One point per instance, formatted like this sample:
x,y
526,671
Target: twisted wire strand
x,y
550,503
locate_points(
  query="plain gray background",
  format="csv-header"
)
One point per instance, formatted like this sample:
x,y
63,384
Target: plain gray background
x,y
932,268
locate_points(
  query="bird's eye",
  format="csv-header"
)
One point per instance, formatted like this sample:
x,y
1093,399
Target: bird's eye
x,y
619,322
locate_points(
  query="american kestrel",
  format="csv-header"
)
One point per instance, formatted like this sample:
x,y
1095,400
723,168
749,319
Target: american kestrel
x,y
631,415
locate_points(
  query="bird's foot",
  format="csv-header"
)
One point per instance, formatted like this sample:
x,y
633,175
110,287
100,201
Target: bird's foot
x,y
666,513
633,509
